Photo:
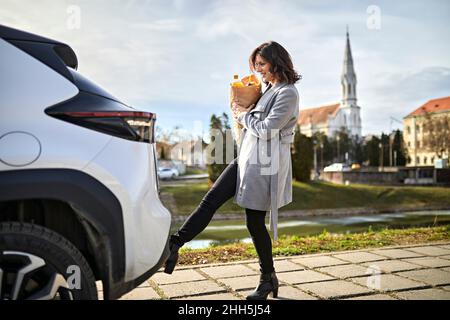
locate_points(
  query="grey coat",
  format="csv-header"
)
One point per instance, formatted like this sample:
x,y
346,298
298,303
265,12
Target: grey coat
x,y
264,179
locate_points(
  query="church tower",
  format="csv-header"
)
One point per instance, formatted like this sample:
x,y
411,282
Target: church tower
x,y
350,111
348,78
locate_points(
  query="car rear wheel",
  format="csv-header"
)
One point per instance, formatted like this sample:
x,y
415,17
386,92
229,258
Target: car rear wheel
x,y
39,264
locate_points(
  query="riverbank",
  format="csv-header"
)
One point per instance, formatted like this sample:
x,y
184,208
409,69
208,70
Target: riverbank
x,y
318,198
325,242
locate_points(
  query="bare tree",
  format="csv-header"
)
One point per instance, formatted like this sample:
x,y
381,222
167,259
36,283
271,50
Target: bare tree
x,y
436,134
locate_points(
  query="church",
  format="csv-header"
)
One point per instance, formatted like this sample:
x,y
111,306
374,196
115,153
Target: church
x,y
332,117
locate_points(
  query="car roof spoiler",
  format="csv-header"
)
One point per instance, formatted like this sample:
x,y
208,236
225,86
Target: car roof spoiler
x,y
20,39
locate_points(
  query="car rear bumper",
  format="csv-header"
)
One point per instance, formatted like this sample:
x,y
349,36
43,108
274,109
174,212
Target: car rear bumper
x,y
118,290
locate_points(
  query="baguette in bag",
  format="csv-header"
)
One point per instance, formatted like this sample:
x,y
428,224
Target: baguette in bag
x,y
246,96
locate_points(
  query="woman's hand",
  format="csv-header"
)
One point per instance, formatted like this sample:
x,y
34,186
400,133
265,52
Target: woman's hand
x,y
237,109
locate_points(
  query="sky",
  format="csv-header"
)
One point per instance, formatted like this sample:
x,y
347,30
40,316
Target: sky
x,y
177,57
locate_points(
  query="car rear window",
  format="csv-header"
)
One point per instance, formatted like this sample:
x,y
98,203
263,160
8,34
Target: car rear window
x,y
87,85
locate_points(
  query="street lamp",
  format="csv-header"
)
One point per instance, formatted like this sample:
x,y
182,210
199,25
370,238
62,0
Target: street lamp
x,y
338,156
315,159
391,142
381,155
321,155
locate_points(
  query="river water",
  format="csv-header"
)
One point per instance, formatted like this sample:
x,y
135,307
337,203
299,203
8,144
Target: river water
x,y
230,231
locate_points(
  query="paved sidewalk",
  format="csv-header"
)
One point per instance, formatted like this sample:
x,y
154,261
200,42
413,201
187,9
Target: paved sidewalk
x,y
400,272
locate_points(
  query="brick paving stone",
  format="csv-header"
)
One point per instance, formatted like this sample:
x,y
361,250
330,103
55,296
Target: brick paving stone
x,y
424,294
285,293
407,273
218,296
387,282
290,293
142,293
144,284
280,266
303,276
396,253
431,262
177,276
359,257
372,297
99,285
190,288
319,261
334,289
389,266
430,250
240,283
345,271
429,276
228,271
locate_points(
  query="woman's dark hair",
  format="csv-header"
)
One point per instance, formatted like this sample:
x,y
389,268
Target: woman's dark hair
x,y
279,59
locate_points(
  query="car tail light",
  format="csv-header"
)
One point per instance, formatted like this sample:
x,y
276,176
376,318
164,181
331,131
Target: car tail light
x,y
107,116
131,125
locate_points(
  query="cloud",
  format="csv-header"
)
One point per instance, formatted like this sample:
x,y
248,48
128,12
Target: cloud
x,y
180,55
171,25
398,94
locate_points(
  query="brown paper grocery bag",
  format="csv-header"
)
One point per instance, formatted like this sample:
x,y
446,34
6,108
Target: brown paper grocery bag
x,y
246,96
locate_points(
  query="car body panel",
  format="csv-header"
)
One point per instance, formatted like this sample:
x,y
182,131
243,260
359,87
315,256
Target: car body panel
x,y
23,99
126,168
148,222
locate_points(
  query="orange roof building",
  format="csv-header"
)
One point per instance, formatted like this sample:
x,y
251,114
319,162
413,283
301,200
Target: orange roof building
x,y
435,105
413,132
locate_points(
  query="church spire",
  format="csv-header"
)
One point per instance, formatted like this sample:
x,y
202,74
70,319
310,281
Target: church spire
x,y
348,78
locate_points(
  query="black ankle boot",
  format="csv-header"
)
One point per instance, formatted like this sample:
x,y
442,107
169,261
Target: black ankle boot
x,y
173,257
268,283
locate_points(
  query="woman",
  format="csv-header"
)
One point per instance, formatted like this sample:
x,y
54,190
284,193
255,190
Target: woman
x,y
260,178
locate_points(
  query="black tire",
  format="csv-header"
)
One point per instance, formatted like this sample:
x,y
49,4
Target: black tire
x,y
22,243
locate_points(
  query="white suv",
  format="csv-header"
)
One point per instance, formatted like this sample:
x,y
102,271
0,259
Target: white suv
x,y
167,173
79,193
337,167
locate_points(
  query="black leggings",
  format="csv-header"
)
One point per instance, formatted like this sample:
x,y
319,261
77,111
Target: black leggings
x,y
224,189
